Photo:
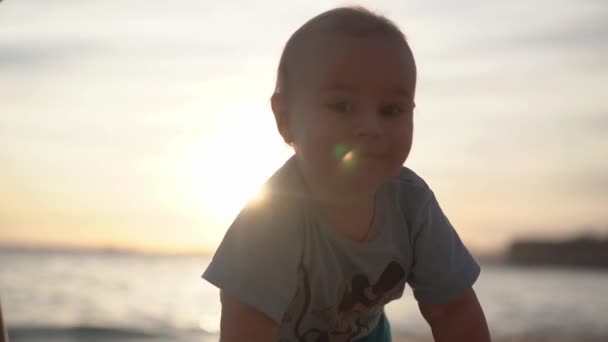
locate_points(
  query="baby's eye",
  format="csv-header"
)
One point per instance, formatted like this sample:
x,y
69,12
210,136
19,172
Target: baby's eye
x,y
391,110
340,106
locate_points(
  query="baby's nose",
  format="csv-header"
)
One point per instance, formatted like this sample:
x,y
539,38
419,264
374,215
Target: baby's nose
x,y
369,125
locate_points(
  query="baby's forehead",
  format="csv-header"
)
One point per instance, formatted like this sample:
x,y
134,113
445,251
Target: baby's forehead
x,y
341,60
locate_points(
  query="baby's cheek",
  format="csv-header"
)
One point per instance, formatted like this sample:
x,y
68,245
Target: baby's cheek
x,y
317,155
401,136
323,143
320,146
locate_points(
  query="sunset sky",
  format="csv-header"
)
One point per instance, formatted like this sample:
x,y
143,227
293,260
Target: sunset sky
x,y
143,124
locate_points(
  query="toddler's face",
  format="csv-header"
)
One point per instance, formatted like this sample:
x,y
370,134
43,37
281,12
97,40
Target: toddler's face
x,y
350,112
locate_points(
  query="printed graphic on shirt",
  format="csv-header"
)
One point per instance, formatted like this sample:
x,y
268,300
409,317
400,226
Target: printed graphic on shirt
x,y
356,299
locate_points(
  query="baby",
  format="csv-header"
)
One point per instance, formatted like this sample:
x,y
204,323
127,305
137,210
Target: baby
x,y
344,225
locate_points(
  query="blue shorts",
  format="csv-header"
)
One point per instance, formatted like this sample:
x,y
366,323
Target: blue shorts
x,y
381,333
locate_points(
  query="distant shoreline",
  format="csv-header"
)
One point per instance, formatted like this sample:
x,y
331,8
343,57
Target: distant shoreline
x,y
583,251
577,252
95,250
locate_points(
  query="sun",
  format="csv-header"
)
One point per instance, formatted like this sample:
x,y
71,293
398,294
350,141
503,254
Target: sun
x,y
228,174
212,173
227,184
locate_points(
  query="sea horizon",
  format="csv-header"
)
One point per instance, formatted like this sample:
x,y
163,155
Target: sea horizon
x,y
495,255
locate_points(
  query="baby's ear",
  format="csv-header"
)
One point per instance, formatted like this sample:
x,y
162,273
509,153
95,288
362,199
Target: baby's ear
x,y
281,116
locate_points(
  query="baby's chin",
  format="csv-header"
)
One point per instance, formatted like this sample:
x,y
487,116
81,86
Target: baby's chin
x,y
361,176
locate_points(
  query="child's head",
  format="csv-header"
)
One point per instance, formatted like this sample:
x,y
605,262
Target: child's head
x,y
344,98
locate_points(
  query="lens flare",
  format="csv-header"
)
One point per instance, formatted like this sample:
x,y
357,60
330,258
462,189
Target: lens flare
x,y
340,150
346,156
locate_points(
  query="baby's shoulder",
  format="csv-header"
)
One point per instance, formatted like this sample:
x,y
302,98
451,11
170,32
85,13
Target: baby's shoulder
x,y
411,191
410,183
278,206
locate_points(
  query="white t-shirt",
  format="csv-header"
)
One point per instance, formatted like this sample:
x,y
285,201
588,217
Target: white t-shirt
x,y
282,258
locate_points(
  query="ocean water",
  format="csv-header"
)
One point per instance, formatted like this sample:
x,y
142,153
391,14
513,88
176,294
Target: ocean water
x,y
61,296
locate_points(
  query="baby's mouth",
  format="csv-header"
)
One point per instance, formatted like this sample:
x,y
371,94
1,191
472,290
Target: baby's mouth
x,y
350,158
372,155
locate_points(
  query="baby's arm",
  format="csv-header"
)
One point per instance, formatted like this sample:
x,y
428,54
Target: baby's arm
x,y
3,332
462,319
241,322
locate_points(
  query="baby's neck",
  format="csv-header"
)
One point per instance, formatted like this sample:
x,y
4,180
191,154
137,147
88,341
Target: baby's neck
x,y
352,219
338,199
350,213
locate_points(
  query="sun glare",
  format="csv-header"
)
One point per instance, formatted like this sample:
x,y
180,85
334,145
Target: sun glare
x,y
228,174
213,174
225,183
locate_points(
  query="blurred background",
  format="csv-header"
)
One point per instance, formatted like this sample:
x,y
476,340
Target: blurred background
x,y
132,132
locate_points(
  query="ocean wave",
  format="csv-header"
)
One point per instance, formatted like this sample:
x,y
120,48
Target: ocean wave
x,y
87,330
82,333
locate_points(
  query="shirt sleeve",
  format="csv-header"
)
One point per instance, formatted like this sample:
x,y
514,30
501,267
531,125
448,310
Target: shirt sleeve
x,y
258,258
443,268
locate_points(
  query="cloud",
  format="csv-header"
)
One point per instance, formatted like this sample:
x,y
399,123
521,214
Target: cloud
x,y
43,54
516,37
46,54
595,124
594,182
546,144
583,33
124,137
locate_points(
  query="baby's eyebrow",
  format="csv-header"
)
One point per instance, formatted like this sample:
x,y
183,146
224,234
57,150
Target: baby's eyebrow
x,y
401,91
338,87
